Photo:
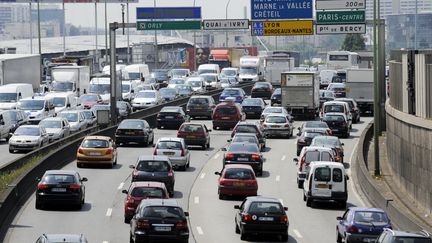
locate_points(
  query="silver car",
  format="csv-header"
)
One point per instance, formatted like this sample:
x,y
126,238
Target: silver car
x,y
278,125
51,238
56,127
175,149
273,110
28,138
90,117
76,120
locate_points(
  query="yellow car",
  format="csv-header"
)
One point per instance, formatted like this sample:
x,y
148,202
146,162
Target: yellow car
x,y
97,150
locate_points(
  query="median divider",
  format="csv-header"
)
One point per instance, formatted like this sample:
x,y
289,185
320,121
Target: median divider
x,y
60,153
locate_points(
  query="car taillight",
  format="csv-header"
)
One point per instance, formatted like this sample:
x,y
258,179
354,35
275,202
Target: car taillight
x,y
338,158
182,153
302,163
143,224
223,182
352,228
246,217
284,219
81,151
155,151
229,156
170,173
42,186
109,151
74,187
181,225
330,132
286,125
129,201
256,157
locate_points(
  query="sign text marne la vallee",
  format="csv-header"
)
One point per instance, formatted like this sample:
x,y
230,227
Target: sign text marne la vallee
x,y
282,9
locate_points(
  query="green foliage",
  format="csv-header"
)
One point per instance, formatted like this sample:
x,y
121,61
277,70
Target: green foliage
x,y
353,42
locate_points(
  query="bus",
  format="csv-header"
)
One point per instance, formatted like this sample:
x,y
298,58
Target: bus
x,y
342,60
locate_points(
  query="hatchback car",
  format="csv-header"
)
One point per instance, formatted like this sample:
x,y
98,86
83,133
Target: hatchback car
x,y
396,236
124,109
171,116
244,153
154,168
338,123
278,125
305,138
159,219
251,127
332,142
227,115
90,117
195,134
87,101
262,90
261,215
185,90
175,149
314,125
237,93
168,94
361,224
276,97
60,187
134,131
97,150
253,107
271,110
56,127
354,109
55,238
200,106
28,138
139,191
237,180
75,118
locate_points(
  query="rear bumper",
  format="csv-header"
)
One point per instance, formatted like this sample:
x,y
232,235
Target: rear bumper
x,y
264,229
95,160
238,191
164,122
28,147
277,132
195,141
261,94
142,236
335,196
361,238
58,198
127,139
225,123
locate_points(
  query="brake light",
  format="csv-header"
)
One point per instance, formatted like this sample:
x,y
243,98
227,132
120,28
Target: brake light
x,y
143,224
42,186
256,157
246,217
302,162
155,151
284,219
338,158
352,229
223,182
170,173
81,151
286,125
182,153
229,156
181,225
109,151
74,187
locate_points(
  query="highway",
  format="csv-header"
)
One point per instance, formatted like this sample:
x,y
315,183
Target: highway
x,y
6,156
211,219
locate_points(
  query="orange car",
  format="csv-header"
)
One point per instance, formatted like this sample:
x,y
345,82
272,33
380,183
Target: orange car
x,y
97,150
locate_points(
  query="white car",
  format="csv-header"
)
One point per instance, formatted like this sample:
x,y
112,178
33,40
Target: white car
x,y
146,98
197,84
173,82
273,110
278,125
211,81
56,127
76,120
28,138
90,117
176,150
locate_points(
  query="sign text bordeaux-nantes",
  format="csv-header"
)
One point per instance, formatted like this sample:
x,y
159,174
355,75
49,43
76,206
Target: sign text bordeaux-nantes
x,y
282,28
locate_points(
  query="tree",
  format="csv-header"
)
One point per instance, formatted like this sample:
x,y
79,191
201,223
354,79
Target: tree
x,y
354,42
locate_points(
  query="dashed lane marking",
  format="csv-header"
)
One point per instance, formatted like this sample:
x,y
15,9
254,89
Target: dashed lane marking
x,y
278,178
202,175
196,200
297,233
120,186
200,231
283,157
104,241
109,212
216,156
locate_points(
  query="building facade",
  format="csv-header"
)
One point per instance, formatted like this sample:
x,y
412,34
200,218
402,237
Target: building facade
x,y
401,31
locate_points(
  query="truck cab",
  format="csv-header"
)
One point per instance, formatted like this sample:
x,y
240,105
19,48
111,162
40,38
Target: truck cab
x,y
37,108
251,69
70,79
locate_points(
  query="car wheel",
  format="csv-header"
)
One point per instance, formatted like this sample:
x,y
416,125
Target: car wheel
x,y
304,198
308,202
300,184
11,151
130,238
284,238
79,165
221,196
298,152
243,236
171,193
338,237
79,206
127,220
237,230
38,205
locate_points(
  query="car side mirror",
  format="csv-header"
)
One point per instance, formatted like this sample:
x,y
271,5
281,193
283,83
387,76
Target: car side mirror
x,y
339,218
223,149
217,173
236,207
342,144
84,179
186,214
132,166
46,108
229,140
295,160
286,208
125,191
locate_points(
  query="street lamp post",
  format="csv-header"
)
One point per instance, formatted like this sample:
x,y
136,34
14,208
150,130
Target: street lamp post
x,y
155,38
194,45
226,17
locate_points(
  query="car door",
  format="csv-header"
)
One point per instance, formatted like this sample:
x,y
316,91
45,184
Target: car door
x,y
238,217
148,130
342,223
321,182
43,136
66,128
338,180
207,133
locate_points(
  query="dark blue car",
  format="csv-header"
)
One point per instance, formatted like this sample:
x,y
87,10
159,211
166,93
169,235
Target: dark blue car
x,y
253,107
276,97
236,93
361,225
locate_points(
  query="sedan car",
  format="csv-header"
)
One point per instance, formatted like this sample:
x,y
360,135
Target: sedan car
x,y
237,93
251,127
354,109
185,90
55,238
56,127
134,131
361,225
87,101
60,187
195,134
261,215
159,219
75,118
176,150
253,107
315,125
89,117
237,180
139,191
262,90
168,94
244,153
97,150
145,99
28,138
246,138
198,106
278,125
305,138
271,110
154,168
330,142
171,116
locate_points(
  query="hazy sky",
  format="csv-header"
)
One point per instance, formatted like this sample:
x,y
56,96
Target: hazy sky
x,y
83,13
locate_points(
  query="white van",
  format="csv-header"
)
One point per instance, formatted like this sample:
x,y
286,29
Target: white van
x,y
139,72
120,68
326,77
64,101
129,89
209,68
6,125
37,108
251,69
102,87
326,181
337,107
10,94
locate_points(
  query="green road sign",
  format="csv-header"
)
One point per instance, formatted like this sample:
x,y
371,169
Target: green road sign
x,y
169,25
340,17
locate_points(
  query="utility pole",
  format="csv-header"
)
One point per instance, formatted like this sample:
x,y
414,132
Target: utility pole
x,y
155,38
113,72
376,89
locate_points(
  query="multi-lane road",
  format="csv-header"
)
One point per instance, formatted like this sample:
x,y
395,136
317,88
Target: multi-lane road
x,y
211,219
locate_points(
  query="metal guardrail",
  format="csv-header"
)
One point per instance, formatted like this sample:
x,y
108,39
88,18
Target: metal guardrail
x,y
59,154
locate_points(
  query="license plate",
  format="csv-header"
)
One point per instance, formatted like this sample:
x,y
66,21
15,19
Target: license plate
x,y
168,153
243,159
226,118
238,184
169,117
322,186
275,126
265,219
58,189
94,153
162,228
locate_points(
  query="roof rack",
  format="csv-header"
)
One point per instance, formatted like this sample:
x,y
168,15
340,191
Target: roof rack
x,y
425,233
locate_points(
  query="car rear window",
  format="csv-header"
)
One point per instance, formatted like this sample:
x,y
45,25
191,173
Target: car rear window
x,y
265,207
252,102
366,218
276,119
337,175
315,125
152,192
412,240
262,85
240,174
192,128
312,156
131,125
226,110
198,101
334,118
252,148
273,110
163,212
334,108
169,145
58,179
153,166
313,134
95,143
242,139
170,110
231,92
322,174
246,128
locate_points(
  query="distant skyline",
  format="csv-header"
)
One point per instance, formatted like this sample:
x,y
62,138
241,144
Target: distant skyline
x,y
82,14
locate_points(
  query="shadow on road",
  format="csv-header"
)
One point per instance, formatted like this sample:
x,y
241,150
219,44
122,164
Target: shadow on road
x,y
68,208
20,226
271,238
178,194
328,205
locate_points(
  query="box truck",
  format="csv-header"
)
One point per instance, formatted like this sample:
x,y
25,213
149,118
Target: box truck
x,y
20,68
360,86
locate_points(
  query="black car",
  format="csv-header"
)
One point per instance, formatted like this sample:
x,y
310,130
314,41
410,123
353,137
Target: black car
x,y
355,111
262,90
171,116
261,216
134,131
201,105
161,77
168,94
18,117
253,107
338,123
244,153
159,219
276,97
154,168
305,138
326,95
60,187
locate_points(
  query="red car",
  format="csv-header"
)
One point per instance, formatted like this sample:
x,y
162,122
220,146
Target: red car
x,y
87,101
237,180
227,114
142,190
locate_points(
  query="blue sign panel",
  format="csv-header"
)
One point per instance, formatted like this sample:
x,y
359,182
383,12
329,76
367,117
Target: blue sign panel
x,y
258,29
281,9
169,13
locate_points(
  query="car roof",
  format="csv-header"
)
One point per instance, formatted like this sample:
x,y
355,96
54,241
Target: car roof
x,y
245,134
170,139
54,119
326,163
30,126
98,138
35,98
357,209
63,172
401,233
334,102
153,158
250,123
200,96
160,202
263,199
147,184
227,104
192,123
318,148
334,114
326,137
276,114
64,237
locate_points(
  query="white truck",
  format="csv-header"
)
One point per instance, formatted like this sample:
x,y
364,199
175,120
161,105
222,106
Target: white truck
x,y
70,79
251,68
300,93
360,86
274,65
20,68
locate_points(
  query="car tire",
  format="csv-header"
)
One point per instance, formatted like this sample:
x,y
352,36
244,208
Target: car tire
x,y
208,145
237,230
127,220
308,202
159,127
79,165
130,238
347,135
298,152
11,151
39,205
338,237
171,193
79,206
243,236
221,196
300,184
284,238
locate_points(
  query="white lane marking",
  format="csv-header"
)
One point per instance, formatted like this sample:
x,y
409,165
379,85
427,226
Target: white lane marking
x,y
283,157
200,231
120,186
104,241
278,178
216,156
196,200
297,233
202,175
109,212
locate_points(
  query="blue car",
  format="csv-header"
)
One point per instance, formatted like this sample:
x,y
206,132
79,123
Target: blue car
x,y
361,225
236,93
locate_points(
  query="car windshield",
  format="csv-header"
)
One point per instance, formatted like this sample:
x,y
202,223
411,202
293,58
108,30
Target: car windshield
x,y
163,212
238,174
95,143
334,108
276,119
134,76
88,98
230,92
27,131
277,91
99,88
315,125
148,192
273,110
370,218
126,88
262,85
31,104
146,95
198,101
168,92
334,118
71,117
246,128
209,78
248,70
177,81
266,207
252,102
8,97
201,71
226,110
131,124
325,141
192,128
195,83
407,239
251,148
50,124
228,72
88,114
58,179
122,105
153,166
169,145
327,94
59,101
